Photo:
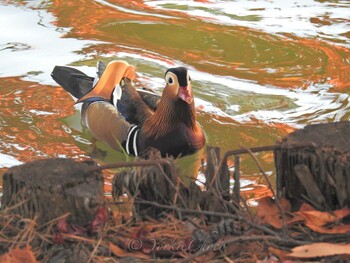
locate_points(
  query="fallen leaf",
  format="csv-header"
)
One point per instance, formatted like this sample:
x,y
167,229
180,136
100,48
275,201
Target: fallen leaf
x,y
320,221
58,238
317,218
281,254
341,213
337,229
328,217
320,250
19,255
62,225
297,216
143,231
101,217
269,213
306,207
121,253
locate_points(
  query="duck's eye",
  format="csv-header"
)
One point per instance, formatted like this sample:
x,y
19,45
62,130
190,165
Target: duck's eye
x,y
170,80
189,78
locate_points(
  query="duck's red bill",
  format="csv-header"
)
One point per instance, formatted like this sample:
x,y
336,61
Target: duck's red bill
x,y
185,94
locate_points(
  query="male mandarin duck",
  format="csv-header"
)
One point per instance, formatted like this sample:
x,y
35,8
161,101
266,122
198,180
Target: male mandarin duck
x,y
136,120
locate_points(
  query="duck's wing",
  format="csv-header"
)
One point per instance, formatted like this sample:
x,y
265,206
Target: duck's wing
x,y
106,124
149,96
130,104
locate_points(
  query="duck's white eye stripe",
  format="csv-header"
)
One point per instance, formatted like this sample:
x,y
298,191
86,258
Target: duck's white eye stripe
x,y
171,78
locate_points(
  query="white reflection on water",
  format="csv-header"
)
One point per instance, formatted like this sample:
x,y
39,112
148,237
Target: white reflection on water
x,y
272,16
8,161
31,46
130,11
316,98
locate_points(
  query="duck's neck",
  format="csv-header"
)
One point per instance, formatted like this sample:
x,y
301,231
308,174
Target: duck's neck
x,y
169,116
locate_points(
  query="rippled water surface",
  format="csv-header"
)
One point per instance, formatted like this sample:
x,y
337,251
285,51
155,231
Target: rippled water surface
x,y
260,69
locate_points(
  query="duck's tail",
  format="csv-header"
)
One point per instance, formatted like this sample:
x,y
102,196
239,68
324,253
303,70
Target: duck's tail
x,y
73,80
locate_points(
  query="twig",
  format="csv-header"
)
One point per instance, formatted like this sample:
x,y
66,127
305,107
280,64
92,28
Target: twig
x,y
237,185
186,210
261,170
279,207
221,244
53,220
79,238
210,213
245,218
25,236
176,187
7,209
214,158
100,240
96,246
263,149
128,164
10,218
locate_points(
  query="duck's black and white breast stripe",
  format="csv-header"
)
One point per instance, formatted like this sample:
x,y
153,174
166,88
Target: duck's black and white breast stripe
x,y
131,141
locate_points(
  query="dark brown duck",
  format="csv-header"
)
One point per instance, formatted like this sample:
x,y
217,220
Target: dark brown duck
x,y
120,115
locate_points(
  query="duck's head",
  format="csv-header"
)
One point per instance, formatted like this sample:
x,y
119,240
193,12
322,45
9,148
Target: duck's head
x,y
175,109
178,85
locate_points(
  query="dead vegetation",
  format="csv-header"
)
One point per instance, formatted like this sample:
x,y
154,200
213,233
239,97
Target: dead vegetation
x,y
164,220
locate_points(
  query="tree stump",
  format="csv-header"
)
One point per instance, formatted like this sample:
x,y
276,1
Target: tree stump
x,y
313,165
47,189
162,184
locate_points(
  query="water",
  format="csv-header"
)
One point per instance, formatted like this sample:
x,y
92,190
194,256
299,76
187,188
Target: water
x,y
260,69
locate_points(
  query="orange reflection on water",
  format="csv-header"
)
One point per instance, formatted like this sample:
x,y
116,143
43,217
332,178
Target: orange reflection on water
x,y
284,61
337,68
284,127
31,128
313,61
30,111
30,125
85,16
255,192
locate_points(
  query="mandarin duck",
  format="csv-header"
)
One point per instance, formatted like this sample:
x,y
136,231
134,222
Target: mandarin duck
x,y
135,120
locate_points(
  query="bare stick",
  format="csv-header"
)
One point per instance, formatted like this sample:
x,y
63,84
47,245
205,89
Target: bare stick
x,y
209,213
129,164
279,207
